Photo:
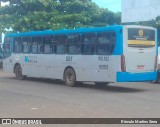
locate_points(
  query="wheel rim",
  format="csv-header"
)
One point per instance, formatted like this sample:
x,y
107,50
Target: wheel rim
x,y
69,77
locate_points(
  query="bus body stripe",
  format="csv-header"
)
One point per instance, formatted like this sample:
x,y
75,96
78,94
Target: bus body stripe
x,y
141,42
136,77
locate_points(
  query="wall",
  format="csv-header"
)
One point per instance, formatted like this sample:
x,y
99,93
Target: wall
x,y
140,10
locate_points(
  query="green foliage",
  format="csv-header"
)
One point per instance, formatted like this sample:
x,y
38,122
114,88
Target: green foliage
x,y
27,15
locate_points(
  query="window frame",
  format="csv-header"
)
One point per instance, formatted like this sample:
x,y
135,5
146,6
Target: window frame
x,y
51,44
39,45
60,43
75,42
19,45
111,44
92,44
9,43
29,43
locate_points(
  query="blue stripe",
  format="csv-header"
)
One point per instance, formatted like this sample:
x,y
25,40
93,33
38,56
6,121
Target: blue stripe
x,y
67,31
118,50
136,77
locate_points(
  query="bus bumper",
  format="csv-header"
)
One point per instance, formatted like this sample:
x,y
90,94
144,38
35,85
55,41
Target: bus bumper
x,y
136,77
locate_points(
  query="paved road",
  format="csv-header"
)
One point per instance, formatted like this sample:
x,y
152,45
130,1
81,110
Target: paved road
x,y
39,98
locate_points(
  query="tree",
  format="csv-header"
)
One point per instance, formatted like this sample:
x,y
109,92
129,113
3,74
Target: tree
x,y
27,15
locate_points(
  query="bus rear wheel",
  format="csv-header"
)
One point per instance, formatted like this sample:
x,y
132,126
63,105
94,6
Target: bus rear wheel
x,y
18,73
70,77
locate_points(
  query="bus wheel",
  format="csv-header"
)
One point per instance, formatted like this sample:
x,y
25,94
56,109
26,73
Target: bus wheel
x,y
101,84
18,73
70,77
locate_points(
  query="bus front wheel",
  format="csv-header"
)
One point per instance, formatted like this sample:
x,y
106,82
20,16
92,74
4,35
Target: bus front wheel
x,y
70,77
18,73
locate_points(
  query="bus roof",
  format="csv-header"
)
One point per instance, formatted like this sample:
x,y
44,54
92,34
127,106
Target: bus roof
x,y
66,31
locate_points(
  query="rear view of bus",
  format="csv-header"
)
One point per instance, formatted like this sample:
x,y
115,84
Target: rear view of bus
x,y
139,59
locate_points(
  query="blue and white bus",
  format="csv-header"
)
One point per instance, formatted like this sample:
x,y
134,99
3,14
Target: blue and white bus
x,y
101,55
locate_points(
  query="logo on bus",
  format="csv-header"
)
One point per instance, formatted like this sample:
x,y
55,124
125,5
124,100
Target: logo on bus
x,y
30,59
141,33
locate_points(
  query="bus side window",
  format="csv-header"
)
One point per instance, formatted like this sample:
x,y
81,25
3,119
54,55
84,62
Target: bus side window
x,y
113,41
88,43
60,44
37,45
48,44
73,44
104,46
17,45
7,47
26,46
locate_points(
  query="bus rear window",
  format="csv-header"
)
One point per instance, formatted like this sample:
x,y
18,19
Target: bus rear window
x,y
141,38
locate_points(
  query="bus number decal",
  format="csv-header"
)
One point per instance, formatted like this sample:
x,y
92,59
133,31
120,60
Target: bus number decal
x,y
69,58
103,58
103,66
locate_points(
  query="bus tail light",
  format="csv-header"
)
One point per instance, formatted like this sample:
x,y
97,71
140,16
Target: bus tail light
x,y
123,63
156,63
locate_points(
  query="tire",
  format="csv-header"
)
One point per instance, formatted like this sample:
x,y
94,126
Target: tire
x,y
101,84
18,73
70,77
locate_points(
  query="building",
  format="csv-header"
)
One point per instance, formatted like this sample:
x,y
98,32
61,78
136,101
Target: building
x,y
140,10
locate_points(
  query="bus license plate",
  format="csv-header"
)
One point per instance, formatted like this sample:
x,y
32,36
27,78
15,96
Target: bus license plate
x,y
140,67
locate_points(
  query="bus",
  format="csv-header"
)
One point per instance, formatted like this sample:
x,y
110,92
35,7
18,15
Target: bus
x,y
101,55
